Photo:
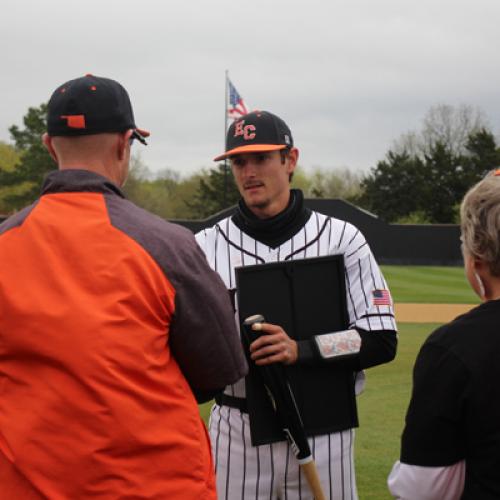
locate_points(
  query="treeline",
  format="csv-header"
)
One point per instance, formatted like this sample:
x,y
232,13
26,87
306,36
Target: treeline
x,y
421,180
426,173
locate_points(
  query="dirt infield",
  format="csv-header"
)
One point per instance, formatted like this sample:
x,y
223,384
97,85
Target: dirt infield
x,y
429,313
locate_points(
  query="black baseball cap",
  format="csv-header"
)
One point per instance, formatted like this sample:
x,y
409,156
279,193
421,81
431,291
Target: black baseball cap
x,y
256,132
91,105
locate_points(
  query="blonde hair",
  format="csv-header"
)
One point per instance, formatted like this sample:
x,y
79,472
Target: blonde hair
x,y
480,221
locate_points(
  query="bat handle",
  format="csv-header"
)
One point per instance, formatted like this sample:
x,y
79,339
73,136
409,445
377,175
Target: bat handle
x,y
311,473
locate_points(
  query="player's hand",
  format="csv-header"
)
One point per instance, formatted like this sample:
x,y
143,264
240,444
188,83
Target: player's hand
x,y
274,346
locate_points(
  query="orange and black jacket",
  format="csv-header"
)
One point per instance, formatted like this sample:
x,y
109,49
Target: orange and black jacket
x,y
110,320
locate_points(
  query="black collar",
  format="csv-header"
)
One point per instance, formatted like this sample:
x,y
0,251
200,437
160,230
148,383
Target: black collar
x,y
275,230
71,180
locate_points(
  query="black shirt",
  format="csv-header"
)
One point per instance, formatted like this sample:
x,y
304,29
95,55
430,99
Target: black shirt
x,y
454,413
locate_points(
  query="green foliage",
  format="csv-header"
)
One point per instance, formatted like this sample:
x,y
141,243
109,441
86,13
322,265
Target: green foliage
x,y
431,184
217,191
301,180
25,179
9,159
386,191
417,217
482,155
334,183
164,193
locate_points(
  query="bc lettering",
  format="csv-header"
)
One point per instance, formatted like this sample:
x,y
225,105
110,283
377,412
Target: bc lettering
x,y
247,131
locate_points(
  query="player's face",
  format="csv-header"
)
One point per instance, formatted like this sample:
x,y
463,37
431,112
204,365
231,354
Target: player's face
x,y
263,180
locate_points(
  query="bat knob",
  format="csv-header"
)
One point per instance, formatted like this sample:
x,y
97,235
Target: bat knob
x,y
256,318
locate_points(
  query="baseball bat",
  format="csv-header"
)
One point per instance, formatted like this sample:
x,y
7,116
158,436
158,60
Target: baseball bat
x,y
283,401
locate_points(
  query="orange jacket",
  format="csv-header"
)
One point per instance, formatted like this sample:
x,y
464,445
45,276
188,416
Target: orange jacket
x,y
109,316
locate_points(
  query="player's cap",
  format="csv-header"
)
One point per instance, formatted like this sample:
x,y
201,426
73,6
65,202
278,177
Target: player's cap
x,y
257,132
91,105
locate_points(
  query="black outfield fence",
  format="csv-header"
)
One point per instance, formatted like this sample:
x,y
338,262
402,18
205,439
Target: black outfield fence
x,y
405,244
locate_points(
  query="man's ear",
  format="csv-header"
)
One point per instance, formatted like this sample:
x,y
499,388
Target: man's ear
x,y
123,144
47,142
293,158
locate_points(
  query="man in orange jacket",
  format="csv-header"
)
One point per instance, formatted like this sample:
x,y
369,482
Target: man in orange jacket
x,y
112,325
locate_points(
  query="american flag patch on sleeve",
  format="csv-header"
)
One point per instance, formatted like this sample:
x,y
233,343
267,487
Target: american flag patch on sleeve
x,y
382,298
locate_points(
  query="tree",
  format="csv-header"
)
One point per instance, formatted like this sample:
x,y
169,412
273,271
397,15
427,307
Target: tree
x,y
448,125
9,158
444,185
427,174
334,183
394,187
217,191
481,155
35,162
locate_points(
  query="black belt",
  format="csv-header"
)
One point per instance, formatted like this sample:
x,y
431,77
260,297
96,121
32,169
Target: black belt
x,y
232,402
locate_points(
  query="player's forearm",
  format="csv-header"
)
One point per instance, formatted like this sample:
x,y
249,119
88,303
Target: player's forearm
x,y
376,347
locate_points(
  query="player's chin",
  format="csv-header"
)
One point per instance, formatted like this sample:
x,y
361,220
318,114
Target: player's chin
x,y
255,200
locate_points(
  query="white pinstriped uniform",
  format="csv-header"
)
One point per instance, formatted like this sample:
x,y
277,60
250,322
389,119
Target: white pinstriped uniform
x,y
271,471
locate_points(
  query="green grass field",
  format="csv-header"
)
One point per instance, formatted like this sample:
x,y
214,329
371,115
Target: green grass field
x,y
429,285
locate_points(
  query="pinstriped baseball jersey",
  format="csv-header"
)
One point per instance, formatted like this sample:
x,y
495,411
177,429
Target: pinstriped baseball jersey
x,y
227,247
270,471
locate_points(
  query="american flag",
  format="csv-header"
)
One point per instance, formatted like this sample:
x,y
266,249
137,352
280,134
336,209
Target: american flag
x,y
382,298
236,106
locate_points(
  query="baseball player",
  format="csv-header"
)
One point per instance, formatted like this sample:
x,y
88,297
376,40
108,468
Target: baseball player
x,y
271,224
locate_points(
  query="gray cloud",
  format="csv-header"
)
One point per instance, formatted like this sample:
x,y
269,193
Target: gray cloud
x,y
349,76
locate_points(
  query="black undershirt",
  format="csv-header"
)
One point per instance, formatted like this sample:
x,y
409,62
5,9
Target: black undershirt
x,y
275,230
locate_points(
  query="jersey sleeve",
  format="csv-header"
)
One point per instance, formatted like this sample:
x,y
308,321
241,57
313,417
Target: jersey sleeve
x,y
369,303
369,306
434,434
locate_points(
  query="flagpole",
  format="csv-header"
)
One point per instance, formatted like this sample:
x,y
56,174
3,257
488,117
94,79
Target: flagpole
x,y
226,104
226,99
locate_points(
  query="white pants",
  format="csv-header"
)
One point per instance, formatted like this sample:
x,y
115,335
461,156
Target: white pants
x,y
271,471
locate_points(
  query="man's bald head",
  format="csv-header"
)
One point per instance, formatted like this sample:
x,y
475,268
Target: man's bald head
x,y
106,154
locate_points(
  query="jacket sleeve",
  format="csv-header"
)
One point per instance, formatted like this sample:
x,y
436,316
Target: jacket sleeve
x,y
414,482
203,335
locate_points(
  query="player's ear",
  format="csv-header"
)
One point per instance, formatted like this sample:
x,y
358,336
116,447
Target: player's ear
x,y
293,157
123,143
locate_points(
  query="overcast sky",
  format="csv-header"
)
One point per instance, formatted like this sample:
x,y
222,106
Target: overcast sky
x,y
349,77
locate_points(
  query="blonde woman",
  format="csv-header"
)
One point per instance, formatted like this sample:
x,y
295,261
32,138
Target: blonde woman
x,y
451,442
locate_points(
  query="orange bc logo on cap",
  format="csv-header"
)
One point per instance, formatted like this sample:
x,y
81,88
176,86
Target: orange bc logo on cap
x,y
247,131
